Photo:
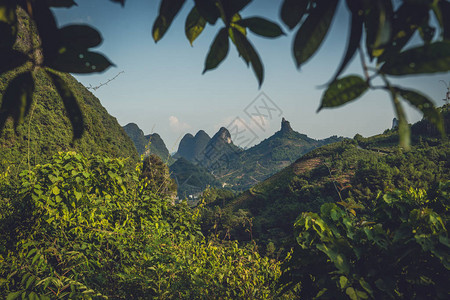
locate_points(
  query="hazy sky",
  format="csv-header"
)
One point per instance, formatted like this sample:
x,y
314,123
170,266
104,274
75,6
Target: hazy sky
x,y
163,90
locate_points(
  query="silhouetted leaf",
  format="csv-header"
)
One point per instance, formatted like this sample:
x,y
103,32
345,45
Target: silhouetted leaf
x,y
261,27
292,12
232,7
404,132
425,105
218,50
11,59
17,99
48,32
404,24
70,103
167,12
80,61
61,3
353,42
208,10
445,12
122,2
343,91
431,58
194,26
378,26
312,32
80,36
249,54
8,23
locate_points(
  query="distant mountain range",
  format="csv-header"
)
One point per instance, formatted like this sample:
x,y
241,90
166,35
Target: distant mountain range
x,y
230,166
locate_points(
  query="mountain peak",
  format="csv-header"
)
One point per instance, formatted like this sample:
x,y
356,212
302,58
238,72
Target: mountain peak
x,y
285,126
224,135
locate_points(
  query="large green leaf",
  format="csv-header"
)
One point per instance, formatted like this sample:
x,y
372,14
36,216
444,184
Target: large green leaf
x,y
261,27
10,59
194,26
8,23
378,26
292,12
311,34
80,61
425,105
17,99
61,3
208,10
431,58
48,31
445,12
249,54
232,7
354,40
167,12
80,36
343,90
218,50
70,103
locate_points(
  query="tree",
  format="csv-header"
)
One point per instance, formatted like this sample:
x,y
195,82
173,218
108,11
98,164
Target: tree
x,y
379,32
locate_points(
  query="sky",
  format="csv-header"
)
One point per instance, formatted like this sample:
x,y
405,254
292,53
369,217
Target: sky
x,y
163,91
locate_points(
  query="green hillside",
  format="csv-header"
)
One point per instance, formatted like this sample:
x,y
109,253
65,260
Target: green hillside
x,y
47,129
190,178
356,170
268,157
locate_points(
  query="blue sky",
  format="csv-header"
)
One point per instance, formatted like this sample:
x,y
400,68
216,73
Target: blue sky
x,y
163,90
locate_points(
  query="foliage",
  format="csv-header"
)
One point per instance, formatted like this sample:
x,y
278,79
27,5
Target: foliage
x,y
347,169
397,250
383,28
157,175
84,227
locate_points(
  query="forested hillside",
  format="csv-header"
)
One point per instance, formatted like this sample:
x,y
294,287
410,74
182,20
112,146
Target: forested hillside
x,y
48,130
356,170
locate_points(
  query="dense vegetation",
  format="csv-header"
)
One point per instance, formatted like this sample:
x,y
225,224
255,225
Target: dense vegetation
x,y
83,227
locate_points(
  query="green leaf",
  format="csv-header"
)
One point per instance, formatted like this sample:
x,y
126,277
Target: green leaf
x,y
48,31
122,2
425,105
208,10
17,99
351,293
232,7
8,23
167,12
11,59
80,61
311,34
61,3
356,27
431,58
261,27
378,26
343,90
194,26
444,7
70,103
55,190
80,36
218,50
343,282
404,131
13,296
292,12
249,54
